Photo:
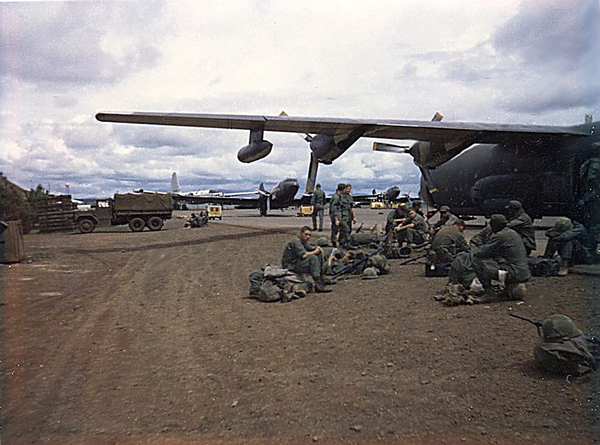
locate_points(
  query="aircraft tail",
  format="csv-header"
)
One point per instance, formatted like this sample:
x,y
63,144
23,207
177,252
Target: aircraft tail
x,y
175,184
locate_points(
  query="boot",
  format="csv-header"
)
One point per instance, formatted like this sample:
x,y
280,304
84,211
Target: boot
x,y
516,291
320,287
563,268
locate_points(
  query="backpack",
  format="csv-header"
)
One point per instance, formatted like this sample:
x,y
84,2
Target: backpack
x,y
363,239
543,267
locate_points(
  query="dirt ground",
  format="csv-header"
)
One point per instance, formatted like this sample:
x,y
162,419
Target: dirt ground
x,y
121,337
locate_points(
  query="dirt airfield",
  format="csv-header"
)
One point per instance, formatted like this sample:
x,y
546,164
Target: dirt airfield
x,y
122,338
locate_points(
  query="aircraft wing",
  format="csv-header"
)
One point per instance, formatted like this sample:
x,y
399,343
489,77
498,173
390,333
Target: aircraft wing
x,y
451,137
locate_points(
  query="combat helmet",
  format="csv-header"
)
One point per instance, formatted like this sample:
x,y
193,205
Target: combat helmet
x,y
369,273
322,241
558,327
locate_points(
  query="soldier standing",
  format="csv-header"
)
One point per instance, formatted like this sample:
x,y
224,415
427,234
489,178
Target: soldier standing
x,y
335,214
347,216
318,200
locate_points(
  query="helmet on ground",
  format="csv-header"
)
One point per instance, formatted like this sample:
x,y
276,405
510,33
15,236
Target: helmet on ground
x,y
322,241
369,273
558,327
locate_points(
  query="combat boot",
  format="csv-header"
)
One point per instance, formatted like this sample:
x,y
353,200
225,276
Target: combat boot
x,y
563,269
320,287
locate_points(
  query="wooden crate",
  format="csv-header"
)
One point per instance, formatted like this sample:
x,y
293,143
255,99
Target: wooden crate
x,y
56,213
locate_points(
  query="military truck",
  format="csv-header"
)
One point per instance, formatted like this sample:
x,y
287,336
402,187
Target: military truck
x,y
139,210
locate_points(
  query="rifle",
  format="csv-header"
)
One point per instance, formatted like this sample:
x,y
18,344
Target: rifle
x,y
538,324
410,260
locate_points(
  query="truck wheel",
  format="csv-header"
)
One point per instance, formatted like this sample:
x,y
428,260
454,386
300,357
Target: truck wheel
x,y
155,223
86,225
137,224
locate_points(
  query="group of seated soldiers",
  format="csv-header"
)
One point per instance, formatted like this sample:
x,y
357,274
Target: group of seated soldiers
x,y
495,260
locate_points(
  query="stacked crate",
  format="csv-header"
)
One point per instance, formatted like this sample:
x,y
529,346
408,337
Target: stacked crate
x,y
56,213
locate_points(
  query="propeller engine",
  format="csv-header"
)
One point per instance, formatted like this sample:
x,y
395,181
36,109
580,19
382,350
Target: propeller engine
x,y
256,149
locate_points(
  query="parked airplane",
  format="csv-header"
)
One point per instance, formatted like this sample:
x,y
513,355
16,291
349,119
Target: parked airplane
x,y
473,167
281,196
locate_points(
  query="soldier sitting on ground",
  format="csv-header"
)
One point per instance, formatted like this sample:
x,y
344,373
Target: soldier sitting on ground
x,y
570,241
302,257
502,261
447,218
521,223
448,243
414,229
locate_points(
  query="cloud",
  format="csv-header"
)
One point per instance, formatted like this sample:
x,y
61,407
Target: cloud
x,y
76,42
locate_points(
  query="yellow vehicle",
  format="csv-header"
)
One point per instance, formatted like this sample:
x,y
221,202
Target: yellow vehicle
x,y
305,210
378,205
214,212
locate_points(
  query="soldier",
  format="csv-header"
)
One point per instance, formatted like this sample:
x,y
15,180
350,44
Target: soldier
x,y
447,218
448,242
503,260
335,213
590,199
302,257
570,240
395,217
521,223
347,216
414,229
318,200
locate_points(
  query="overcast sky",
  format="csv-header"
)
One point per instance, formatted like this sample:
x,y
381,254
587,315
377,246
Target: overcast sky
x,y
527,62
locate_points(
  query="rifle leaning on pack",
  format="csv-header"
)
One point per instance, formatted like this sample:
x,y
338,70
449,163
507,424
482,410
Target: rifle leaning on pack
x,y
538,324
354,265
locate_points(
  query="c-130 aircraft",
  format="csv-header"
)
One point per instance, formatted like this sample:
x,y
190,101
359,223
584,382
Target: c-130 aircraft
x,y
475,168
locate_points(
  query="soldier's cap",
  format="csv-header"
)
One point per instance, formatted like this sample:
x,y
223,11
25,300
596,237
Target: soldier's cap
x,y
563,224
417,202
497,222
444,209
369,273
322,241
514,205
341,186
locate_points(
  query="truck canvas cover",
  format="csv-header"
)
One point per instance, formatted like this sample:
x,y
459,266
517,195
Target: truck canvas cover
x,y
155,202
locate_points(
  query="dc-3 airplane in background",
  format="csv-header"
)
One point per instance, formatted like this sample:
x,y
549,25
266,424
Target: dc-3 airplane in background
x,y
281,196
475,168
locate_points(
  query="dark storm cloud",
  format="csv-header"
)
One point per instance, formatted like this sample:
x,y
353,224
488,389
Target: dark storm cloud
x,y
70,42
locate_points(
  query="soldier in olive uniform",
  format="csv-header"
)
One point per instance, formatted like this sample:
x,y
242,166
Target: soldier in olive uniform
x,y
589,202
318,200
521,223
414,229
395,217
347,216
502,259
572,243
448,242
447,218
335,213
302,257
